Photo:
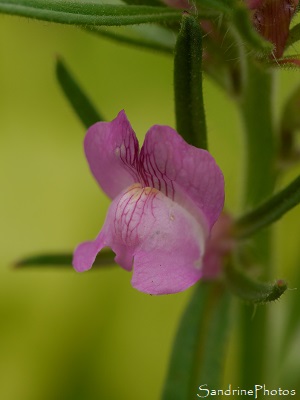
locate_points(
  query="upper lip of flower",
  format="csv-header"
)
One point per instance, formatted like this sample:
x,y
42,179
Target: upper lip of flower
x,y
166,198
164,161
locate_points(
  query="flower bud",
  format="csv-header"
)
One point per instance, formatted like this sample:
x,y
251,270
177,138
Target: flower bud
x,y
271,19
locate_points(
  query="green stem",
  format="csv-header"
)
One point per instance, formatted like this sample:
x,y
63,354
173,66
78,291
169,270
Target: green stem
x,y
257,116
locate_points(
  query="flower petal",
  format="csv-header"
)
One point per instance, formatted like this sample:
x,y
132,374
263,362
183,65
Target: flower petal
x,y
171,164
85,253
112,151
169,260
165,240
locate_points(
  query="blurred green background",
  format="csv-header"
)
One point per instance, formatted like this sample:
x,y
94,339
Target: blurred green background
x,y
65,335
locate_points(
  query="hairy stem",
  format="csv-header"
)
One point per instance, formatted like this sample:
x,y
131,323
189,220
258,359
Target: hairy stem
x,y
257,117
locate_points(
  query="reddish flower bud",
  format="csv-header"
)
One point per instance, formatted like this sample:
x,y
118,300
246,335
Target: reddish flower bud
x,y
271,19
252,4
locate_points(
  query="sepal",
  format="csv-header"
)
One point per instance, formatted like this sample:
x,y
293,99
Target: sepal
x,y
250,290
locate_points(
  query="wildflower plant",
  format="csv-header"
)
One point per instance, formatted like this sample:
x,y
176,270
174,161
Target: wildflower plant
x,y
166,221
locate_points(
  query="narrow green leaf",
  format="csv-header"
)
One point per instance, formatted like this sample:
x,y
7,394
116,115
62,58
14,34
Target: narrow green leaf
x,y
250,290
200,343
290,123
162,40
54,260
106,257
189,107
294,36
212,351
254,336
82,13
79,101
270,211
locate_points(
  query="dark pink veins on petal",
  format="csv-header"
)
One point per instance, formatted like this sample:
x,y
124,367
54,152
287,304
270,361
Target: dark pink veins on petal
x,y
130,225
148,166
128,153
165,162
155,174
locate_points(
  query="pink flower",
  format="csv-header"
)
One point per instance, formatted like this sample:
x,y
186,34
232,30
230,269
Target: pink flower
x,y
166,198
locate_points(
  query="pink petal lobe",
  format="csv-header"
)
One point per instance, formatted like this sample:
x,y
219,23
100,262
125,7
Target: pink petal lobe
x,y
170,259
171,164
112,151
164,241
85,253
